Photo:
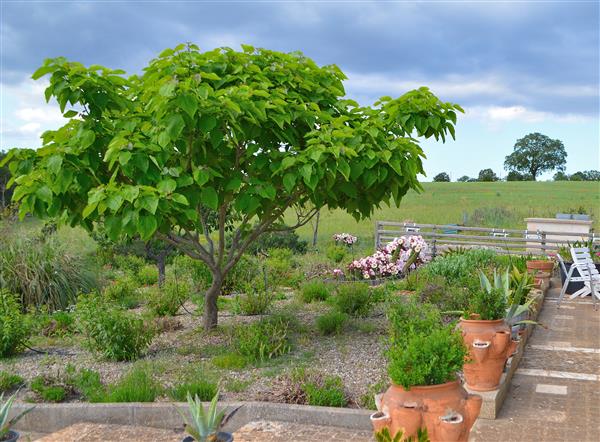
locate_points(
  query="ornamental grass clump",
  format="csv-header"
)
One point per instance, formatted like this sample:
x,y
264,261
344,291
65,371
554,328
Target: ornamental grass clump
x,y
353,299
314,291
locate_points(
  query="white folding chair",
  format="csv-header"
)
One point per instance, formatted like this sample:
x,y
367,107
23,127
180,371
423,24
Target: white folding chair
x,y
587,273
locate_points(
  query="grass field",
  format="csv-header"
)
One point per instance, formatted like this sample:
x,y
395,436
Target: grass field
x,y
500,204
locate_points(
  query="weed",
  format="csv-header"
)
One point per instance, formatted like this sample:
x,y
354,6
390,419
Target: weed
x,y
137,385
314,291
331,323
9,381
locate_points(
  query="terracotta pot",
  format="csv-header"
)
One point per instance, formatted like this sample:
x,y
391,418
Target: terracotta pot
x,y
446,410
540,265
490,345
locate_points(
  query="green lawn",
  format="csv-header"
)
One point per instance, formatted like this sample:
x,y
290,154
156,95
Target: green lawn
x,y
501,204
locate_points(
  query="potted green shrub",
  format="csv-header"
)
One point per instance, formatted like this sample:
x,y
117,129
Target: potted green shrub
x,y
206,425
487,333
424,358
6,434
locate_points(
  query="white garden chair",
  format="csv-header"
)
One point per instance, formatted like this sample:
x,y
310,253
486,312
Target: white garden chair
x,y
582,270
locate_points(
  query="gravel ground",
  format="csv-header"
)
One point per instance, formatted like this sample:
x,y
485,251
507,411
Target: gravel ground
x,y
355,356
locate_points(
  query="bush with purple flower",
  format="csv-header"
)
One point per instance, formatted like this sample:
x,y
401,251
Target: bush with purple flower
x,y
345,238
395,258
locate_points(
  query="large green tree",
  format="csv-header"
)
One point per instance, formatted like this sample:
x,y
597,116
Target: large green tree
x,y
5,191
536,153
240,137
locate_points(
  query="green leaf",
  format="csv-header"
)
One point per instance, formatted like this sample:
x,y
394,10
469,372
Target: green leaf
x,y
175,125
54,163
179,198
148,202
209,197
147,226
44,193
207,123
233,184
164,139
124,158
113,226
70,114
201,176
88,210
188,104
114,201
289,181
166,90
39,73
87,138
130,193
167,185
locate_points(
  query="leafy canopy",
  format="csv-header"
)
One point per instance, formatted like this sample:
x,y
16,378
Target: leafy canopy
x,y
239,135
536,153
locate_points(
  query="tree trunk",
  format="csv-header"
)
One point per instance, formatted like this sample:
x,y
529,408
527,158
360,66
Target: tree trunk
x,y
210,302
161,259
316,229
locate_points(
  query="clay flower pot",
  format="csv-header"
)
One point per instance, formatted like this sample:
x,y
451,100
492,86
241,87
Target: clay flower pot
x,y
540,265
446,410
490,345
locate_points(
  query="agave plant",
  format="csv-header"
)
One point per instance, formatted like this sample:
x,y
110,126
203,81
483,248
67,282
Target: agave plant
x,y
5,423
516,298
204,426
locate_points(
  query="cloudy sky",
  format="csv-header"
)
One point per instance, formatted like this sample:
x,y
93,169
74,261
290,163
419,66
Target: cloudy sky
x,y
516,67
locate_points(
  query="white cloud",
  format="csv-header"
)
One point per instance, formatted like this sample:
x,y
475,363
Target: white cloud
x,y
502,114
25,115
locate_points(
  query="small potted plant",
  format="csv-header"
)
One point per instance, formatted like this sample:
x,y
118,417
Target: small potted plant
x,y
205,425
487,333
6,434
424,358
535,266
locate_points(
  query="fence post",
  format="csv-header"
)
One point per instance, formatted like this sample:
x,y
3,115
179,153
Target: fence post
x,y
434,249
376,235
543,243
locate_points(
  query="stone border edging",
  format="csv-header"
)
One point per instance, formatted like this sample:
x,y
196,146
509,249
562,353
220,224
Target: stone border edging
x,y
48,418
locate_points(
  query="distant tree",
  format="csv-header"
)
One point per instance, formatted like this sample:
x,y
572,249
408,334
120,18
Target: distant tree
x,y
472,180
5,192
560,176
441,178
513,175
487,175
577,176
536,153
592,175
463,179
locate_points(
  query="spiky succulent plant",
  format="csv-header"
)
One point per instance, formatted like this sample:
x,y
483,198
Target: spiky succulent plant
x,y
5,423
205,425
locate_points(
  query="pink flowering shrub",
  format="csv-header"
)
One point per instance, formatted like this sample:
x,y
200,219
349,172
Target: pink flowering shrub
x,y
396,257
345,238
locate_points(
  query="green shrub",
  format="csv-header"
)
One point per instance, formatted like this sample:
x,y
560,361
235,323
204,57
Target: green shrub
x,y
197,270
326,392
409,317
314,291
166,300
205,389
489,305
111,331
428,358
336,253
87,383
331,323
286,239
252,302
123,291
129,263
444,296
279,266
137,385
14,330
9,381
264,339
353,299
44,273
48,390
461,267
230,361
147,275
58,323
241,274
